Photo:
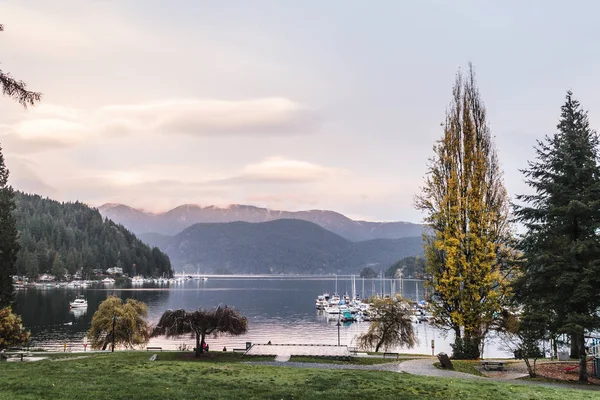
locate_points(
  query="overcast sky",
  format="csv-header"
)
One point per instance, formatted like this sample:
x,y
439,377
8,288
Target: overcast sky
x,y
283,104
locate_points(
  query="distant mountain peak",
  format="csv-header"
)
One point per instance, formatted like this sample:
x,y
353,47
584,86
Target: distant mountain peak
x,y
181,217
111,206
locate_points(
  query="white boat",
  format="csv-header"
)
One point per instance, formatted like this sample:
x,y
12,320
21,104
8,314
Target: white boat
x,y
108,281
137,280
332,310
79,302
204,278
321,302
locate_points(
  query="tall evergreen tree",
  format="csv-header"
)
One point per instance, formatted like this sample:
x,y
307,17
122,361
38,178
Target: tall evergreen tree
x,y
467,207
9,243
9,246
562,243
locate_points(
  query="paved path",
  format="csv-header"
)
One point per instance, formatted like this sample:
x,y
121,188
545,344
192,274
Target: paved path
x,y
424,366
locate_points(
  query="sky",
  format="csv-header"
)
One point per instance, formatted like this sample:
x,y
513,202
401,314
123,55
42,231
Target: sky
x,y
290,105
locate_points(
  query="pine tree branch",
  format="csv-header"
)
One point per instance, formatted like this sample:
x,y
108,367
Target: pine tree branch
x,y
18,90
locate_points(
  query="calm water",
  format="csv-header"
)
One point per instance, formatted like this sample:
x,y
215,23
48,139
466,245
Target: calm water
x,y
279,309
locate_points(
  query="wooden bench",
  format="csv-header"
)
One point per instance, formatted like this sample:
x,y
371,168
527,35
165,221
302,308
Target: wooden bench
x,y
153,348
497,365
390,355
353,350
19,355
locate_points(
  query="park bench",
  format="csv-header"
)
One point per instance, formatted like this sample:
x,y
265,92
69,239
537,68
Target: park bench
x,y
153,348
497,365
390,355
19,354
239,350
353,350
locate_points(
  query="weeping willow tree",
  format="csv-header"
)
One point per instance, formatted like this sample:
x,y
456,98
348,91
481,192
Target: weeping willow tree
x,y
391,326
125,322
466,208
199,323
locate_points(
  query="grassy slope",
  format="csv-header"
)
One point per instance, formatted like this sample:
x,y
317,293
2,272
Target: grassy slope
x,y
131,375
466,366
352,360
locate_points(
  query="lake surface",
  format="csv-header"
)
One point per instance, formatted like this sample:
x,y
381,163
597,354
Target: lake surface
x,y
279,309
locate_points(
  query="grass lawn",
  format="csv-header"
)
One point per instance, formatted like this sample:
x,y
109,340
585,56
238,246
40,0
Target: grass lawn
x,y
351,360
129,375
466,366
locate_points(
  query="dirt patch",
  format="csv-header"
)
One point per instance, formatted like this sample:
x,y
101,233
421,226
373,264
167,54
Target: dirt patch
x,y
513,370
564,371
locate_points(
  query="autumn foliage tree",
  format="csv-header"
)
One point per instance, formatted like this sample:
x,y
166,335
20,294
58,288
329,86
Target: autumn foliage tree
x,y
130,327
466,208
12,332
221,320
391,326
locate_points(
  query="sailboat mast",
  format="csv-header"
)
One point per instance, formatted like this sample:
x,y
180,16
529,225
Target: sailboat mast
x,y
417,287
363,289
336,292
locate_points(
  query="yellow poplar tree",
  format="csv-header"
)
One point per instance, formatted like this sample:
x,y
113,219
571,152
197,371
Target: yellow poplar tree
x,y
466,208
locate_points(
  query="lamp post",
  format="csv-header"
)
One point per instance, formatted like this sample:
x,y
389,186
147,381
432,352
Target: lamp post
x,y
113,333
338,326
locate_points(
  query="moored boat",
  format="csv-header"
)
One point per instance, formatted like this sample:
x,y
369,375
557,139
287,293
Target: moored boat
x,y
79,302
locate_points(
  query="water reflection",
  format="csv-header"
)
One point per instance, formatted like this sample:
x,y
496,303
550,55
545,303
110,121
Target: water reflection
x,y
279,309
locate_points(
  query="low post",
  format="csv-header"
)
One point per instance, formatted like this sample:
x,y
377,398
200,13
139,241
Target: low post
x,y
113,332
432,347
338,326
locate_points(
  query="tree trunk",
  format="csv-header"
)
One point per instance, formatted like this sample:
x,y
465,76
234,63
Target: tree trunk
x,y
476,343
530,370
198,345
107,341
582,358
574,346
378,345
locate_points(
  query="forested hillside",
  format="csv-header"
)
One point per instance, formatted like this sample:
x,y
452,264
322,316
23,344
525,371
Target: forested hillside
x,y
410,267
283,246
65,237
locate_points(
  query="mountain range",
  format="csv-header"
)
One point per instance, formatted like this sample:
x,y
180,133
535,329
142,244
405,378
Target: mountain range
x,y
283,246
179,218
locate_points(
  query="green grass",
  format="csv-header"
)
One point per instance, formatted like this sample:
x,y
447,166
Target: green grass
x,y
129,375
350,360
466,366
